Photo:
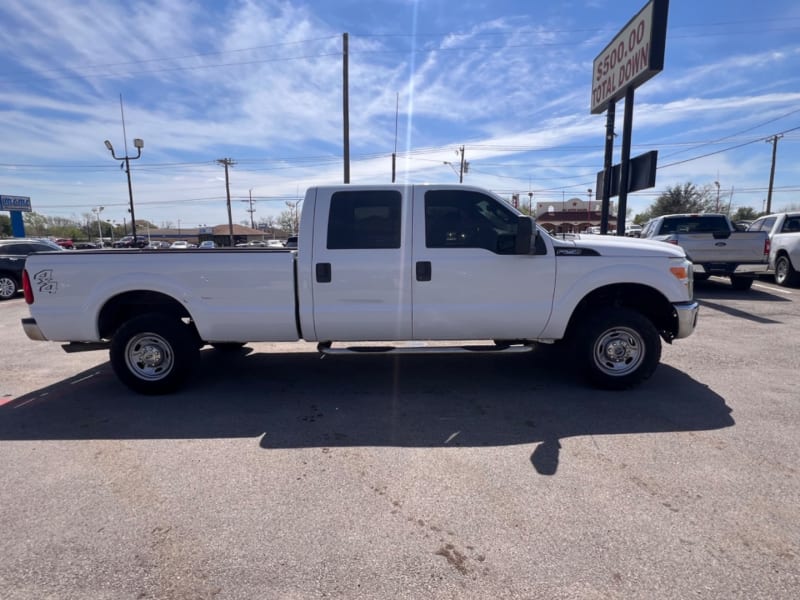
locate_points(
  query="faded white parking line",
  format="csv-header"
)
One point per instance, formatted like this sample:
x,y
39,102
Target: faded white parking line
x,y
773,288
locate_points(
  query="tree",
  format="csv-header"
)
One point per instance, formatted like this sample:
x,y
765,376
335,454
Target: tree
x,y
745,213
5,226
286,221
268,224
35,224
686,198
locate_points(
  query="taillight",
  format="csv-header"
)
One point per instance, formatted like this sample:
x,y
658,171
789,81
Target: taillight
x,y
674,242
767,246
27,290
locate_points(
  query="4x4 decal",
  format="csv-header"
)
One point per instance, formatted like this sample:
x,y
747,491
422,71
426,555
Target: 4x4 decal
x,y
44,282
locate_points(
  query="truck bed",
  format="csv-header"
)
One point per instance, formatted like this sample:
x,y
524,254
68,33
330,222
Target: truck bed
x,y
232,294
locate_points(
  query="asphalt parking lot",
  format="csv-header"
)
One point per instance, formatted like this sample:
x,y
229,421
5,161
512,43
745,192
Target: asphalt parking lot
x,y
277,474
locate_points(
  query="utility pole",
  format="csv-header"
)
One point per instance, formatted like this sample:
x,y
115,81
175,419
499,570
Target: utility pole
x,y
461,171
227,162
774,139
394,154
251,210
346,107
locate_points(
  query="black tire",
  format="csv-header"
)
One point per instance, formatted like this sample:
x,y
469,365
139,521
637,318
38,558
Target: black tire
x,y
616,348
785,274
8,287
153,354
741,283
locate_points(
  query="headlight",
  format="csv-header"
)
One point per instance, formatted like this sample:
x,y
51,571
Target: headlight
x,y
683,271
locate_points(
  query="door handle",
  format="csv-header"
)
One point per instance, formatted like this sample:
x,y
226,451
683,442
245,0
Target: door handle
x,y
323,272
424,270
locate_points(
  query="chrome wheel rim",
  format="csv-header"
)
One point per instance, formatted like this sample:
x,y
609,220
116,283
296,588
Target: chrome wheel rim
x,y
6,287
149,356
619,351
781,269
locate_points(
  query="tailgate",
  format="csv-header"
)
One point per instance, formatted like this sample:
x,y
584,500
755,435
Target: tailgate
x,y
740,247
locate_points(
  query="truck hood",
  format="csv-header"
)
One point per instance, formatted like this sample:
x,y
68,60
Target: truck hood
x,y
611,245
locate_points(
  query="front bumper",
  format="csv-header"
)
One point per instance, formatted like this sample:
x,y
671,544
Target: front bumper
x,y
32,330
687,318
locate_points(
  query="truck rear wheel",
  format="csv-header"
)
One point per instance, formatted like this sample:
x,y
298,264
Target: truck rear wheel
x,y
785,274
153,354
741,283
617,348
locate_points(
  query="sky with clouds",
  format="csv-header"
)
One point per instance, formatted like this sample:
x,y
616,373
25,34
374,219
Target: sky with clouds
x,y
260,82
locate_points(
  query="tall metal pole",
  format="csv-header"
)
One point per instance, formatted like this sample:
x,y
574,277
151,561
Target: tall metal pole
x,y
775,139
226,162
461,171
626,161
607,164
130,195
346,108
128,168
394,154
252,210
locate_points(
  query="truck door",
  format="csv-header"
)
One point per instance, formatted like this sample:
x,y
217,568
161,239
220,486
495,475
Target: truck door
x,y
360,271
467,281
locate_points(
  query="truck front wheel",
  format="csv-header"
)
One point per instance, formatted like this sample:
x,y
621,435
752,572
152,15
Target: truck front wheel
x,y
153,354
617,348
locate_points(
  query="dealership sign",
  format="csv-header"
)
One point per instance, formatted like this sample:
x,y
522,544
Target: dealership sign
x,y
22,203
632,57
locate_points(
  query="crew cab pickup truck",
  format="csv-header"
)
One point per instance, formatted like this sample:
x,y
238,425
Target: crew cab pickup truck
x,y
783,230
409,264
13,254
714,246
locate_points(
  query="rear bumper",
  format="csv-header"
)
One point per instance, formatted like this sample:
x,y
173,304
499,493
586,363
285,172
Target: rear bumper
x,y
32,330
731,268
687,318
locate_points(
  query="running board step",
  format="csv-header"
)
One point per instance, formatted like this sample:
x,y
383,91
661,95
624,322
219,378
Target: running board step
x,y
325,348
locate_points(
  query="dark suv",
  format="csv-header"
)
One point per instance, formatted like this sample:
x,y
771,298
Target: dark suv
x,y
127,242
13,252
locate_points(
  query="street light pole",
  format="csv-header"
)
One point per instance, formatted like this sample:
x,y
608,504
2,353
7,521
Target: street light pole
x,y
97,210
138,143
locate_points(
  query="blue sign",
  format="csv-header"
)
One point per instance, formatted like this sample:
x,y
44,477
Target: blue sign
x,y
22,203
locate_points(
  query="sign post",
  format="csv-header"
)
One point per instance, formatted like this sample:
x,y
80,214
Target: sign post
x,y
16,205
635,55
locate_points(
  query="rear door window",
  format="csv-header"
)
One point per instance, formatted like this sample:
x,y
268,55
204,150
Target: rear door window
x,y
364,220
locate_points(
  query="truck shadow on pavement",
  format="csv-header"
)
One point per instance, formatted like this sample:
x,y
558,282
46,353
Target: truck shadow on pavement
x,y
720,289
708,292
297,400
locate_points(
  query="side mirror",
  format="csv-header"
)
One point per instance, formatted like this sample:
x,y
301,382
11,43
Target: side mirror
x,y
524,235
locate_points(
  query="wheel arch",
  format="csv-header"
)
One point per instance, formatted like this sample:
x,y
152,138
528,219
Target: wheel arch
x,y
127,305
11,275
785,252
644,299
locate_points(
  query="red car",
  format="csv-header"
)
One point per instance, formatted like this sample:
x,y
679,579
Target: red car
x,y
65,243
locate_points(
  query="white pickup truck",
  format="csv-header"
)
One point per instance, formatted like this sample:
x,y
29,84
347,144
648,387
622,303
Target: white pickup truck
x,y
714,246
783,230
410,264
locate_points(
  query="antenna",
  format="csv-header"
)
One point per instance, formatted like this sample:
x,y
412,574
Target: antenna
x,y
396,116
